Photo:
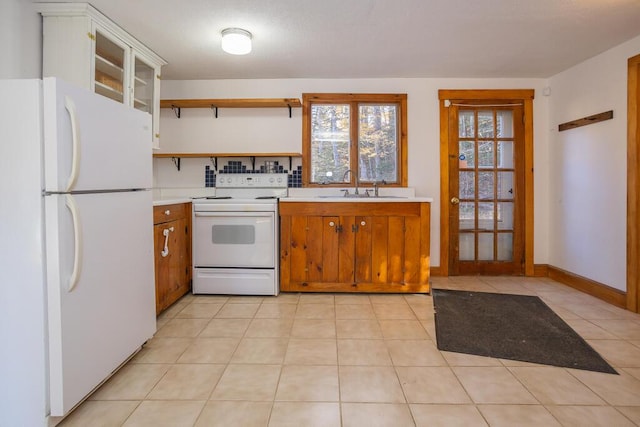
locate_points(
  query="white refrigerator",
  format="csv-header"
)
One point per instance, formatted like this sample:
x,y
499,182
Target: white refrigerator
x,y
77,293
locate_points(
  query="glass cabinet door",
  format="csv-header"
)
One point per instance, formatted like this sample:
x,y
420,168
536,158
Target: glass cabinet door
x,y
146,92
110,63
143,85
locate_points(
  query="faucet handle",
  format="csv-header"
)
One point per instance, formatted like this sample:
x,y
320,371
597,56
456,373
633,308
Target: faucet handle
x,y
346,191
366,192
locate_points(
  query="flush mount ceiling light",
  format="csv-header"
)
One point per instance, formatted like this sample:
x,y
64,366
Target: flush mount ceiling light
x,y
236,41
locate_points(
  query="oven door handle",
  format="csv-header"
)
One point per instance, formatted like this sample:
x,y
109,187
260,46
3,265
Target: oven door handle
x,y
234,214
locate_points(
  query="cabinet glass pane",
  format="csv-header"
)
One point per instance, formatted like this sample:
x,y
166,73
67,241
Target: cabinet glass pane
x,y
467,215
466,251
505,154
485,154
485,124
485,246
144,79
505,185
485,185
466,154
467,185
466,124
505,247
109,63
505,216
504,123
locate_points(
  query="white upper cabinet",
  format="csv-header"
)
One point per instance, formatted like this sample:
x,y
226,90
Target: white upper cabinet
x,y
84,47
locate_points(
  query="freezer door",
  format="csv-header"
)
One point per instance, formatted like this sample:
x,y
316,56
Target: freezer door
x,y
93,143
101,288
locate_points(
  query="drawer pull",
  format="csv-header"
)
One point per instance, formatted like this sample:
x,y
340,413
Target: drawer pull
x,y
167,212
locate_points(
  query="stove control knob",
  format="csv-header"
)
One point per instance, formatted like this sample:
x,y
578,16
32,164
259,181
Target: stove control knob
x,y
279,179
229,180
271,180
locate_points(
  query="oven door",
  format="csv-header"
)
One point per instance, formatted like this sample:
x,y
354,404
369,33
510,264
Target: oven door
x,y
234,239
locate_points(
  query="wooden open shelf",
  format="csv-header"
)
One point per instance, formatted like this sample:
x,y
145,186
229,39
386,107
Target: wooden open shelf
x,y
214,157
165,155
231,103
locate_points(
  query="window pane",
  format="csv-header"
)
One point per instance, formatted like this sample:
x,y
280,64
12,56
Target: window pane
x,y
466,155
466,124
485,185
329,143
505,185
505,216
378,143
485,154
505,154
467,185
485,124
466,247
467,214
486,216
505,123
505,247
485,246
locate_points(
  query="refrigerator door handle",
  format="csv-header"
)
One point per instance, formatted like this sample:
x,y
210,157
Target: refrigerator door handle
x,y
75,139
77,240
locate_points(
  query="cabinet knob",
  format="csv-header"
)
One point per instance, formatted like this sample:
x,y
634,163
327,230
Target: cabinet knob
x,y
331,223
167,212
363,223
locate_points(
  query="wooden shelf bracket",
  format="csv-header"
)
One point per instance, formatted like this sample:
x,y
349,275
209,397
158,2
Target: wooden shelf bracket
x,y
176,162
176,110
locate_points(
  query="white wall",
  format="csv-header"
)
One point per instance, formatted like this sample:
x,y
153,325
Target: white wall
x,y
20,40
272,130
587,165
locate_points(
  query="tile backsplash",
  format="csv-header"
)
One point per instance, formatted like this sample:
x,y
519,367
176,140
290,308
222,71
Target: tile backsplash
x,y
237,166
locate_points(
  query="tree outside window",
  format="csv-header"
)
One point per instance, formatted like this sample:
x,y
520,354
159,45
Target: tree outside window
x,y
364,134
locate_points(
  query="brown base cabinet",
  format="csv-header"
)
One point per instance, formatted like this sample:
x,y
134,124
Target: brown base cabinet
x,y
354,247
172,252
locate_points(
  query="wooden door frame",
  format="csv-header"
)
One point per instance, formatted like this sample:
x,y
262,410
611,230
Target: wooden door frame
x,y
445,96
633,183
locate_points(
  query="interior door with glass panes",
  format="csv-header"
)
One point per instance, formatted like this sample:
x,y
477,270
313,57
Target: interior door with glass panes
x,y
487,189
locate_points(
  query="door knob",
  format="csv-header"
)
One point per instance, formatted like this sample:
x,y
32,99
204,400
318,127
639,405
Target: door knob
x,y
455,201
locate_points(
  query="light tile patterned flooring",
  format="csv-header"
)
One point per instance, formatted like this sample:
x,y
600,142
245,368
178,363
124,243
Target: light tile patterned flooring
x,y
362,360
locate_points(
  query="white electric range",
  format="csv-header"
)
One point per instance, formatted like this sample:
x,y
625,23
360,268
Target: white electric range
x,y
235,235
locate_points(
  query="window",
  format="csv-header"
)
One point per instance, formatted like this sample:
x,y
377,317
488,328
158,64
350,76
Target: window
x,y
354,136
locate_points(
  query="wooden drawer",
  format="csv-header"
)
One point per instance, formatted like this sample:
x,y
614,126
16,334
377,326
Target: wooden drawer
x,y
171,212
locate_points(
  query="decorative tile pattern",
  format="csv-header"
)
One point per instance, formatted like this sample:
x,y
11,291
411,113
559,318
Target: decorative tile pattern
x,y
237,166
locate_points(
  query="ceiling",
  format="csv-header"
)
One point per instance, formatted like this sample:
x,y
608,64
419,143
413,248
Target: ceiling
x,y
376,38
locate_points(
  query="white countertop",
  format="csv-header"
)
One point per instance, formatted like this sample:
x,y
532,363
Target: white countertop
x,y
342,199
171,201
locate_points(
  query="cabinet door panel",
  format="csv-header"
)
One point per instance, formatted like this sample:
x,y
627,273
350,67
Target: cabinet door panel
x,y
363,250
346,249
395,254
315,245
411,249
298,248
379,247
328,257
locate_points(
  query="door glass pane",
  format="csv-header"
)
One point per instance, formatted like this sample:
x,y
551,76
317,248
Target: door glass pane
x,y
505,216
505,185
505,154
143,86
109,63
485,124
466,154
467,215
485,154
466,250
485,246
377,143
466,124
330,151
485,185
504,123
505,247
486,216
467,185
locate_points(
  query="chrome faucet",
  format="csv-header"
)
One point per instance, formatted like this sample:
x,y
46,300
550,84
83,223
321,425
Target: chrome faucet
x,y
344,177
